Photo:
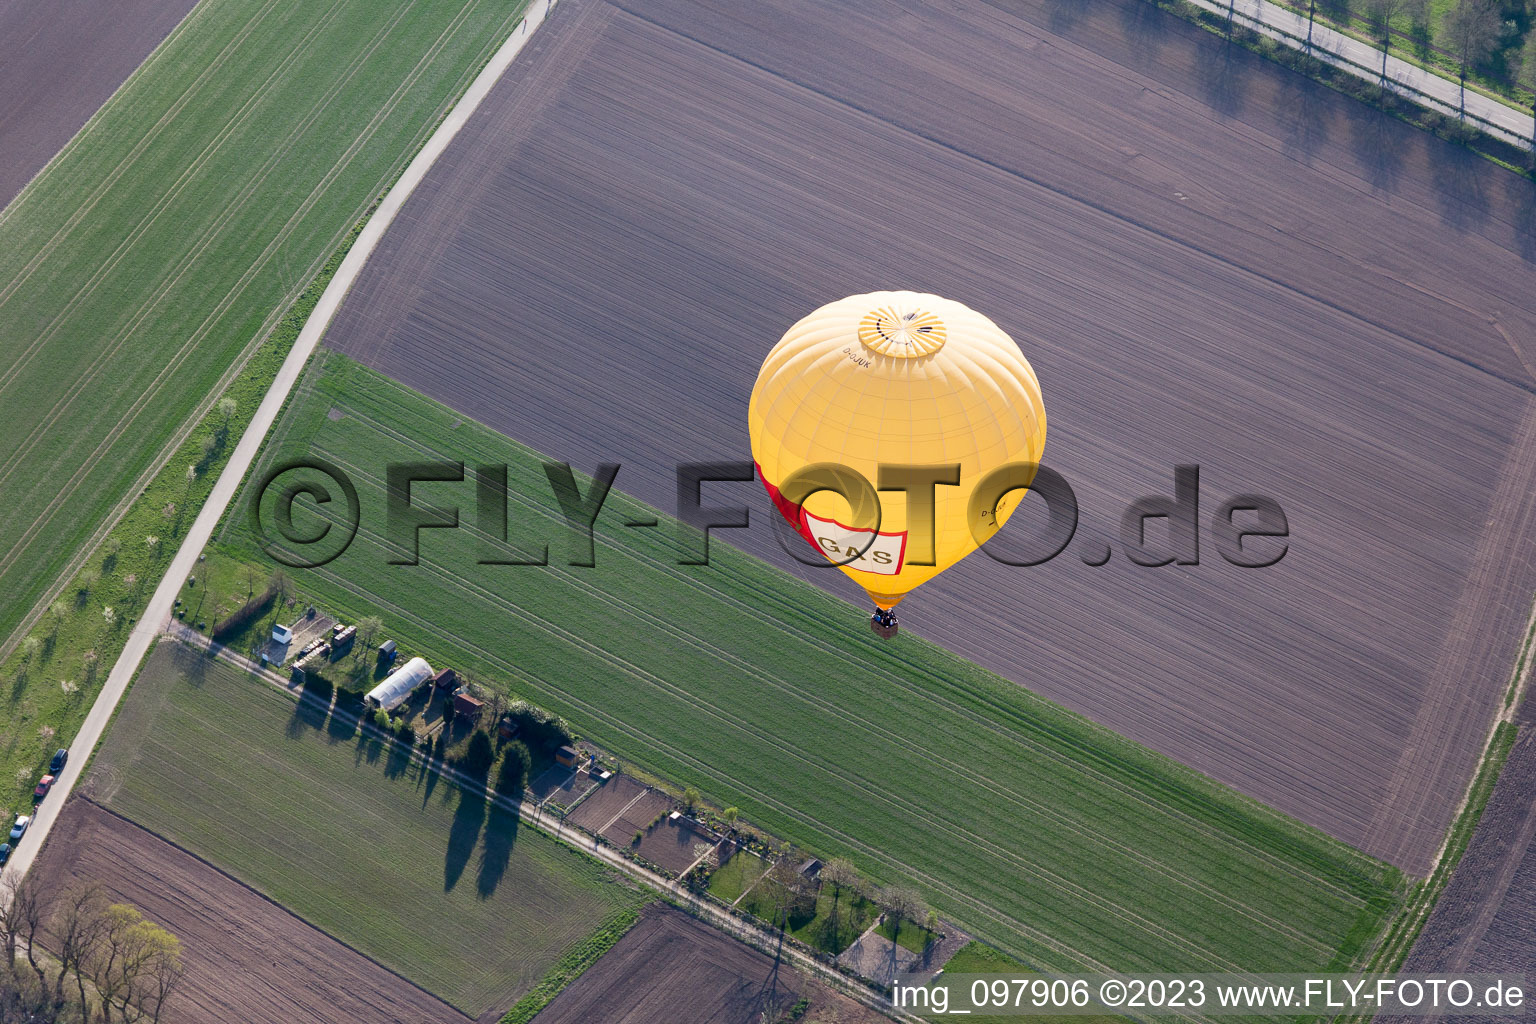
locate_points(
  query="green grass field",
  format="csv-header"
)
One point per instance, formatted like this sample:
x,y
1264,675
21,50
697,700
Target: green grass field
x,y
58,668
979,958
1074,848
736,876
159,247
350,836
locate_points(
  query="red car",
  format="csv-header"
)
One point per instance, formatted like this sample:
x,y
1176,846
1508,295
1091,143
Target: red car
x,y
43,787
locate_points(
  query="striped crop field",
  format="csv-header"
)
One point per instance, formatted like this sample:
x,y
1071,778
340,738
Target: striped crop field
x,y
1054,839
159,247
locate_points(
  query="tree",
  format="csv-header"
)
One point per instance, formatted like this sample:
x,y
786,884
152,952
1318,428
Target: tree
x,y
29,648
692,798
25,906
730,816
134,965
901,904
368,630
840,876
1470,34
227,408
1382,14
78,929
781,889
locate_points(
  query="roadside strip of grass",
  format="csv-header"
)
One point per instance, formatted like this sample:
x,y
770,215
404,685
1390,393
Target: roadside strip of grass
x,y
1355,85
1399,940
149,259
62,662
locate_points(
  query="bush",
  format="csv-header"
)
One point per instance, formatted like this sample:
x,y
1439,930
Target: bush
x,y
246,614
512,776
407,732
541,729
381,719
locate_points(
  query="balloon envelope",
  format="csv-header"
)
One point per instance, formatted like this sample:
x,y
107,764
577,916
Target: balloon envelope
x,y
913,386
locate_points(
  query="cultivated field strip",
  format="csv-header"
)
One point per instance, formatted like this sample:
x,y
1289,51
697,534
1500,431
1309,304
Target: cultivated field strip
x,y
854,751
354,839
58,66
229,934
143,262
1017,804
601,261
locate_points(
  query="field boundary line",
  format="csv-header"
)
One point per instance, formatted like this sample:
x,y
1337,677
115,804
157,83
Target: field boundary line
x,y
158,609
869,786
168,841
259,265
1022,800
552,826
939,700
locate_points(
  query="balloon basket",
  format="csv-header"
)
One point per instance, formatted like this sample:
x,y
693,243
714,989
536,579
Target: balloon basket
x,y
883,630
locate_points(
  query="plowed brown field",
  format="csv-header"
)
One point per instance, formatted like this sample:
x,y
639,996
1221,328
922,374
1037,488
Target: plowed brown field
x,y
1207,259
247,959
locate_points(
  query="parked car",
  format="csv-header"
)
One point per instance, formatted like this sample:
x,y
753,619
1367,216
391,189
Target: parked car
x,y
18,829
57,764
43,787
5,852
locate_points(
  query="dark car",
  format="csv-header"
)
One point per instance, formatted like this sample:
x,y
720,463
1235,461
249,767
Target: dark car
x,y
5,852
57,764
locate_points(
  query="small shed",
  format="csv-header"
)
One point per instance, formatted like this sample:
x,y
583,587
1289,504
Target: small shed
x,y
467,706
282,635
506,728
447,679
387,651
566,756
809,868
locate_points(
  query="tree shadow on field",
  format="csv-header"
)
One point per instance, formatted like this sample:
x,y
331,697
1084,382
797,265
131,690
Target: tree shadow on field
x,y
463,835
369,747
500,837
399,759
306,716
1523,201
1460,186
191,663
1145,26
1223,77
1062,15
1376,140
1304,110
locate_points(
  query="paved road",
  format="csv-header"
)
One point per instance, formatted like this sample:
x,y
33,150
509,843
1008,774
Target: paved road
x,y
158,612
1287,25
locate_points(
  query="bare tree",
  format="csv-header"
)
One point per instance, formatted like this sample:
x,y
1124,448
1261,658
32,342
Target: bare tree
x,y
902,904
1382,13
1471,32
78,929
25,905
367,632
840,875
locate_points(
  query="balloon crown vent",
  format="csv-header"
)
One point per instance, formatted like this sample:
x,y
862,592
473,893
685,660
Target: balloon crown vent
x,y
902,333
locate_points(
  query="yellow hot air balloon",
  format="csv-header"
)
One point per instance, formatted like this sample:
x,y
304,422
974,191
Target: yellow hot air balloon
x,y
869,400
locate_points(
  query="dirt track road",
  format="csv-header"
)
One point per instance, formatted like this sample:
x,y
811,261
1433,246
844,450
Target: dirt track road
x,y
1207,259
